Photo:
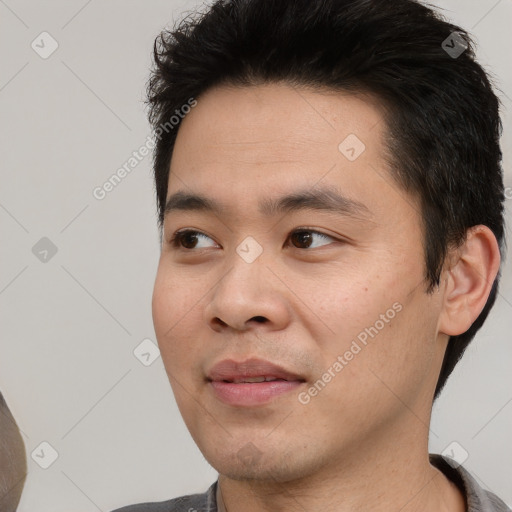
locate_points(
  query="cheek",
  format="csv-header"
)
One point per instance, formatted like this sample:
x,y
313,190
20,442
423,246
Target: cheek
x,y
175,308
383,326
173,318
344,307
175,294
391,356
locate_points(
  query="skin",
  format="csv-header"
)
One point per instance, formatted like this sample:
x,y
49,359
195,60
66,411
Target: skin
x,y
362,441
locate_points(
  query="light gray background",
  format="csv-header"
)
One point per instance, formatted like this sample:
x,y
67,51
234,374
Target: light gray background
x,y
70,325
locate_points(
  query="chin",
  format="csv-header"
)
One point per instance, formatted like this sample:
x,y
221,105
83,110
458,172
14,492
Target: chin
x,y
252,463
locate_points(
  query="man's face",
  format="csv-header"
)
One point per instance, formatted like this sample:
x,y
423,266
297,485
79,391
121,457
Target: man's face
x,y
335,299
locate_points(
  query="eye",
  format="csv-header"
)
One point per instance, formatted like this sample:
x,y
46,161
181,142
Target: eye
x,y
306,236
187,238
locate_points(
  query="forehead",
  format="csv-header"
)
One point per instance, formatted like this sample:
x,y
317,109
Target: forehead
x,y
279,118
274,139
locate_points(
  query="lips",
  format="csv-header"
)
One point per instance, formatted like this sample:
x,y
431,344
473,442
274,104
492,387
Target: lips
x,y
251,382
232,371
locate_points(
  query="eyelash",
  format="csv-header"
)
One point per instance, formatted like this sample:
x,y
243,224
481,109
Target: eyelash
x,y
175,241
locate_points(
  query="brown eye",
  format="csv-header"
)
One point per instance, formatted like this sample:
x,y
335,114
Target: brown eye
x,y
301,238
305,237
188,239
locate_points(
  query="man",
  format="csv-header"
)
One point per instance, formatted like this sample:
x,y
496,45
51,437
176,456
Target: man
x,y
13,463
331,205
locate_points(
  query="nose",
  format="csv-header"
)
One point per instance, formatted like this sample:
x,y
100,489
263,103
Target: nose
x,y
248,295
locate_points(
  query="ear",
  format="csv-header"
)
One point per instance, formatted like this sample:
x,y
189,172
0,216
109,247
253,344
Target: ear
x,y
469,278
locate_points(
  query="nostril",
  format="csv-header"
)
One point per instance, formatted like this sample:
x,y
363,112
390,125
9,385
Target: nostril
x,y
259,319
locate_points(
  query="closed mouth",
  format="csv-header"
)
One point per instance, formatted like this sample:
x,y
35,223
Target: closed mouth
x,y
250,371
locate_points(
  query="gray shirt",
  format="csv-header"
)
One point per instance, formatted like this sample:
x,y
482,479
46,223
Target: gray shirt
x,y
477,499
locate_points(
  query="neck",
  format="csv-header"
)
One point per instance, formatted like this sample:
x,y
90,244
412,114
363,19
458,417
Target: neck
x,y
398,478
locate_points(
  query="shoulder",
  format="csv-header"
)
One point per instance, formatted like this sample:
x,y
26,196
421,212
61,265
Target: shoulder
x,y
477,498
204,502
496,503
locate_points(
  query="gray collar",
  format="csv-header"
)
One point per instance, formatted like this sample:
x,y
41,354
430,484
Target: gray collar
x,y
477,499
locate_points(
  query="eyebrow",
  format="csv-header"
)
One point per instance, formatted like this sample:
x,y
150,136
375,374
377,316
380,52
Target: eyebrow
x,y
319,199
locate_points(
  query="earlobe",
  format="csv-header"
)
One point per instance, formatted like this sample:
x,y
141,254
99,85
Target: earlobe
x,y
469,279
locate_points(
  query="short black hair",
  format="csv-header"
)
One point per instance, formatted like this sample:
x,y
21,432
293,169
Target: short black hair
x,y
443,123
